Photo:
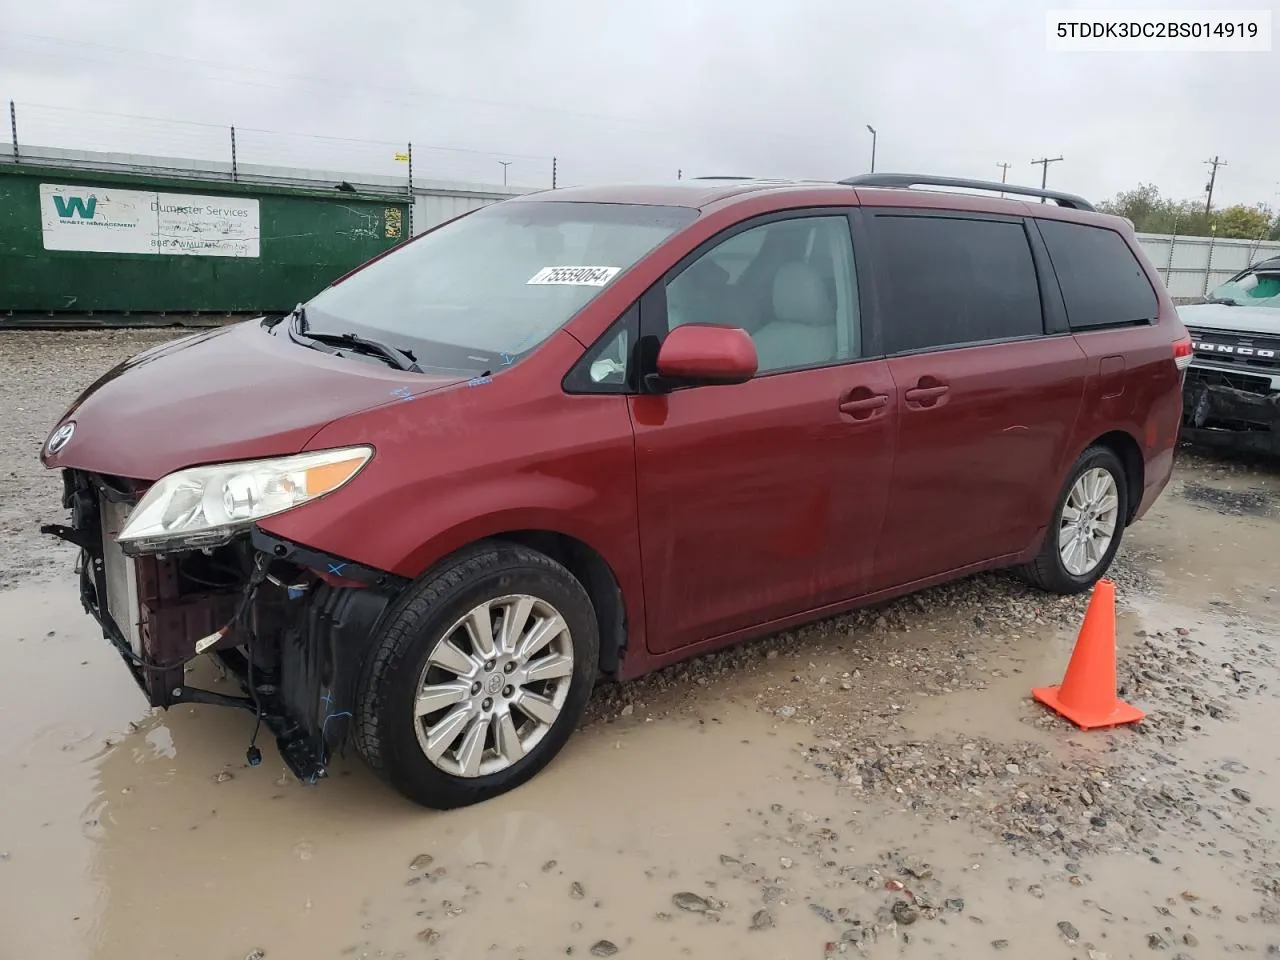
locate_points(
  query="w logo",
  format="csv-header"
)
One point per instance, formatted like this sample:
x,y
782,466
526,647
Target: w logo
x,y
81,207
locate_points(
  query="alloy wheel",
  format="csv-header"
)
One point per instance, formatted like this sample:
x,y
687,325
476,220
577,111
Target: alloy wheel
x,y
493,686
1089,519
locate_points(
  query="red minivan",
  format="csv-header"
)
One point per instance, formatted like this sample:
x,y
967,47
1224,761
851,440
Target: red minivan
x,y
591,432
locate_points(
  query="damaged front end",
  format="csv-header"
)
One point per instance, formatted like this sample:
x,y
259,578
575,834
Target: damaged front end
x,y
1231,409
1231,394
292,625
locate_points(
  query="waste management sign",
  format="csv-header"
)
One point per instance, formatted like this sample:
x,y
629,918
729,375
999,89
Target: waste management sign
x,y
107,220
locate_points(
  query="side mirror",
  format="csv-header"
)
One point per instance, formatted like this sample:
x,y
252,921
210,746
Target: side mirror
x,y
699,353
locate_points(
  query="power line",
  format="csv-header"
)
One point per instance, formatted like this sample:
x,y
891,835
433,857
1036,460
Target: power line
x,y
346,87
105,114
81,112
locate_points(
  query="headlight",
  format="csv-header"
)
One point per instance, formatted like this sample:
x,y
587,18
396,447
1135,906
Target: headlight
x,y
207,506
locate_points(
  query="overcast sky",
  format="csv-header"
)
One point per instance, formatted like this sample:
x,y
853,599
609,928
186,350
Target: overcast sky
x,y
626,90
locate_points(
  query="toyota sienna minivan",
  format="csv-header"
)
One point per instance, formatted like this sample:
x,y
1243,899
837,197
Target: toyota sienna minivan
x,y
590,432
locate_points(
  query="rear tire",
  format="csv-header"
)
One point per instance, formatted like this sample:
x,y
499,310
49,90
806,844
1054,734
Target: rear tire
x,y
478,677
1075,553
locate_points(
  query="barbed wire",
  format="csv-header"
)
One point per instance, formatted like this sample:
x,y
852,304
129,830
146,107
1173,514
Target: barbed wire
x,y
68,128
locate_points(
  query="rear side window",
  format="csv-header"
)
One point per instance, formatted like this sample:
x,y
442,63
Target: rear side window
x,y
947,281
1102,282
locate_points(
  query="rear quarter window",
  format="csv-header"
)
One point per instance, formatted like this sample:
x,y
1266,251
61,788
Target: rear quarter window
x,y
1102,282
949,281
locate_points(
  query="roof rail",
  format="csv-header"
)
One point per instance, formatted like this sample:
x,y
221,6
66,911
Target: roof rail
x,y
1069,200
725,177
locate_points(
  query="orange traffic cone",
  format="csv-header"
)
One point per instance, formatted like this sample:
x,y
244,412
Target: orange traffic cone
x,y
1087,696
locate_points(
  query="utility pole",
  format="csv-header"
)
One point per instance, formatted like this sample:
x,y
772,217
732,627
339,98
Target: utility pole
x,y
1044,170
680,174
1213,164
13,128
554,163
1004,173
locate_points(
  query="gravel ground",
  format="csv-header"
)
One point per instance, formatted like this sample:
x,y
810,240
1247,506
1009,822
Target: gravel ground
x,y
41,373
914,754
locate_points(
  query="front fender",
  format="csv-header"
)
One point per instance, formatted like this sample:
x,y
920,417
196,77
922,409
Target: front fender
x,y
407,527
436,485
406,534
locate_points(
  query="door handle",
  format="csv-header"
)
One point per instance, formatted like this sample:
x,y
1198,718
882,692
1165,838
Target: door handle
x,y
864,406
924,394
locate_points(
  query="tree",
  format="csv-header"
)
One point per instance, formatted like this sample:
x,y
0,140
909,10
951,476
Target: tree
x,y
1245,223
1187,219
1138,205
1273,231
1151,212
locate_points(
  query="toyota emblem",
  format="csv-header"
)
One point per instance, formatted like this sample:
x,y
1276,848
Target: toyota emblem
x,y
61,437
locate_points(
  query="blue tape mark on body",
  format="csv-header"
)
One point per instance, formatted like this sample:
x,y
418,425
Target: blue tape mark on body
x,y
479,381
509,355
333,716
402,393
337,568
327,700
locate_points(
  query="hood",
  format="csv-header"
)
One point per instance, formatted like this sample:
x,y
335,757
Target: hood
x,y
235,393
1220,316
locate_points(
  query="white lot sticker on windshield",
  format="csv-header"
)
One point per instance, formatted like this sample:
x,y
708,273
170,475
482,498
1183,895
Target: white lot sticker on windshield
x,y
575,276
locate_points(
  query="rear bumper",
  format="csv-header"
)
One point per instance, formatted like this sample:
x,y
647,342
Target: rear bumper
x,y
1158,471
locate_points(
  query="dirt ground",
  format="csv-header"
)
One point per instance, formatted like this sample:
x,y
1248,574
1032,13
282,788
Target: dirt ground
x,y
875,785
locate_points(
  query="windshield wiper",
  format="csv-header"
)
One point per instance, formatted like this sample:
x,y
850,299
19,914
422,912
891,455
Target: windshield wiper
x,y
1229,303
393,355
400,359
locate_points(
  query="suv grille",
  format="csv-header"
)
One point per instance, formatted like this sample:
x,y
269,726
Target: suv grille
x,y
1261,351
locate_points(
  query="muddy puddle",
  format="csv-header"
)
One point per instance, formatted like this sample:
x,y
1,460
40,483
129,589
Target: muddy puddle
x,y
125,837
1214,538
877,785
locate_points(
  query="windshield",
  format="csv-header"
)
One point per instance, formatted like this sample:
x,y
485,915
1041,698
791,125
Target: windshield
x,y
1252,290
477,293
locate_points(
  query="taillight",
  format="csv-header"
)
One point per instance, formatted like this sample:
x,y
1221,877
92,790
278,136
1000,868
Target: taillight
x,y
1182,353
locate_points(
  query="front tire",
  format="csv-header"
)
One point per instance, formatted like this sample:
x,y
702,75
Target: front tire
x,y
478,677
1086,528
